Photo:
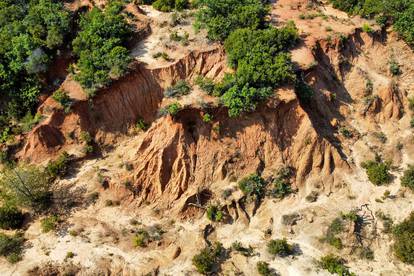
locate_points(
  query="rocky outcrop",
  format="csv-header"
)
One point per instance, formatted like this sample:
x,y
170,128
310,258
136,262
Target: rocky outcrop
x,y
182,155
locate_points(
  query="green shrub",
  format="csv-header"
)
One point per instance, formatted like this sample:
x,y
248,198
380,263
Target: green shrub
x,y
221,17
404,240
59,167
281,184
170,5
245,251
10,217
407,180
394,68
141,238
264,270
207,118
336,227
280,247
181,88
63,99
171,109
377,171
26,186
206,261
49,223
411,103
253,185
214,213
100,47
366,28
207,85
334,265
11,247
29,121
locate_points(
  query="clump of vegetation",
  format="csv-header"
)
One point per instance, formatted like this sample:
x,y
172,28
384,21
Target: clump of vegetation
x,y
222,17
207,118
377,171
69,255
100,47
366,28
264,269
312,197
245,251
49,223
183,39
87,139
404,240
395,69
214,213
181,88
206,84
162,55
10,217
141,125
59,167
141,238
335,228
407,180
63,99
11,247
281,184
26,186
280,248
334,265
171,109
31,31
399,13
253,185
170,5
208,259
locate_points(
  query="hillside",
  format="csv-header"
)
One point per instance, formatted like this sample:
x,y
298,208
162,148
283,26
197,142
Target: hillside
x,y
207,137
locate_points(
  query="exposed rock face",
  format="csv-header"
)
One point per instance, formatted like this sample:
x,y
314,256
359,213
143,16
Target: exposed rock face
x,y
185,154
115,109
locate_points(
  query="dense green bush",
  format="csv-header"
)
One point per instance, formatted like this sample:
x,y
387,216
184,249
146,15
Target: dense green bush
x,y
377,171
63,99
221,17
407,179
10,217
59,167
101,46
214,213
26,186
281,183
253,185
280,247
399,12
31,31
404,240
171,109
49,223
170,5
264,270
334,265
206,261
181,88
261,63
11,247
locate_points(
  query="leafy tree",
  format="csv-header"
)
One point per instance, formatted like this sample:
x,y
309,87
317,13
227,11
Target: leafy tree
x,y
101,47
214,213
26,186
31,31
221,17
